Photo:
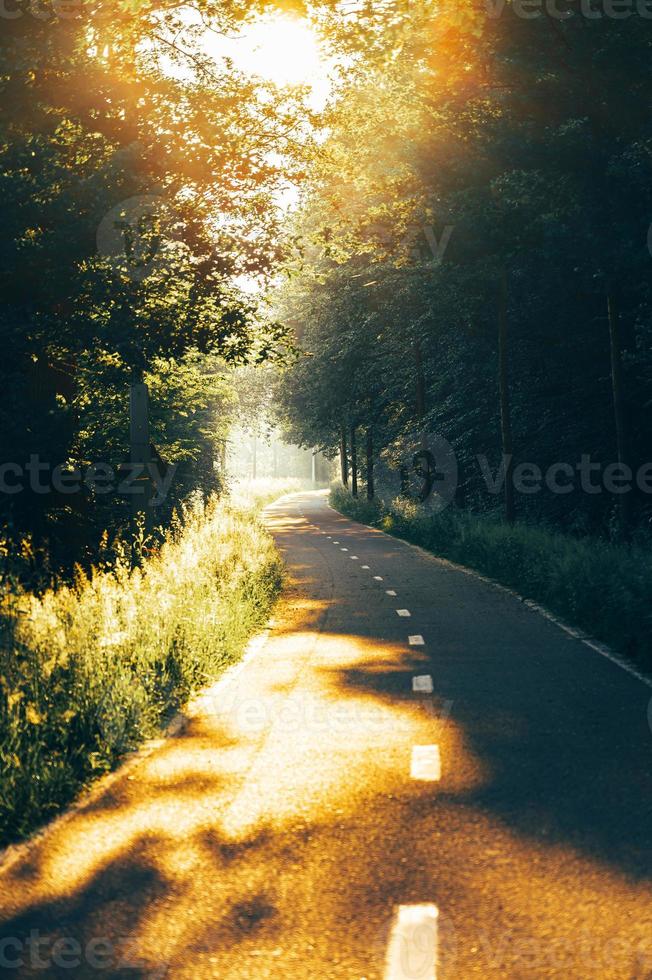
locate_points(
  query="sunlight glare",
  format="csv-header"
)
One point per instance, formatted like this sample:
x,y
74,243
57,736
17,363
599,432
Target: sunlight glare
x,y
282,49
285,50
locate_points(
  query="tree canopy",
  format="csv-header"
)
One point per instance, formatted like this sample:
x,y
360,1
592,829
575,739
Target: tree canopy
x,y
140,179
475,258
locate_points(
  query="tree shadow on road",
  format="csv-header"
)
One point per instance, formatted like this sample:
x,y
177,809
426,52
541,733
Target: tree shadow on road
x,y
197,863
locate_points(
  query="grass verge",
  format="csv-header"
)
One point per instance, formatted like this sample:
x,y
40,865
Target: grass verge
x,y
602,588
88,671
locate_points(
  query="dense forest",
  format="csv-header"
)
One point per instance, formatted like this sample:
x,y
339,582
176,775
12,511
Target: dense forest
x,y
475,261
138,177
466,261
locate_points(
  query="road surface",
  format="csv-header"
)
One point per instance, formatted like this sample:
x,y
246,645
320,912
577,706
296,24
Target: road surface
x,y
414,775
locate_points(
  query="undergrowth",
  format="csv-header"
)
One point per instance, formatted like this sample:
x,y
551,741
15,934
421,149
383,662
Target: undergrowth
x,y
89,670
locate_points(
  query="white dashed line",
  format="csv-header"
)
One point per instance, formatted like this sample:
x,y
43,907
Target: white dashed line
x,y
422,684
378,578
426,763
412,949
353,557
335,542
403,612
390,592
344,549
416,640
365,566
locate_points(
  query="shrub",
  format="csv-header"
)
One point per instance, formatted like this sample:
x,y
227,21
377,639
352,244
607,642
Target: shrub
x,y
89,670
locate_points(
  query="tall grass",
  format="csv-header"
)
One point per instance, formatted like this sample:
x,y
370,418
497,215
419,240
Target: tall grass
x,y
600,587
88,670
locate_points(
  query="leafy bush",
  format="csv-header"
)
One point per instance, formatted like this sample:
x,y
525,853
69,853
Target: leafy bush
x,y
89,670
598,586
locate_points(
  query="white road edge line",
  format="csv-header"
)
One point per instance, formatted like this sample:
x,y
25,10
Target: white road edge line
x,y
422,684
416,640
425,763
412,949
576,634
588,641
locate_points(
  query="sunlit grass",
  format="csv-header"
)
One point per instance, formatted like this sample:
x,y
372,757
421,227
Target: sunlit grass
x,y
89,670
246,494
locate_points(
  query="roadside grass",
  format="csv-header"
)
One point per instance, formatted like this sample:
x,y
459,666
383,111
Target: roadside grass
x,y
90,670
602,588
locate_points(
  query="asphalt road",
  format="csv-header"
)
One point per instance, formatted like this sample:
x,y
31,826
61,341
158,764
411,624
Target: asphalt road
x,y
324,814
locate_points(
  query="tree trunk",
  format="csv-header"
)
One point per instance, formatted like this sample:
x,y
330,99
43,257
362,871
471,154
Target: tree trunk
x,y
460,494
140,454
354,465
420,391
619,403
344,463
370,463
505,409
